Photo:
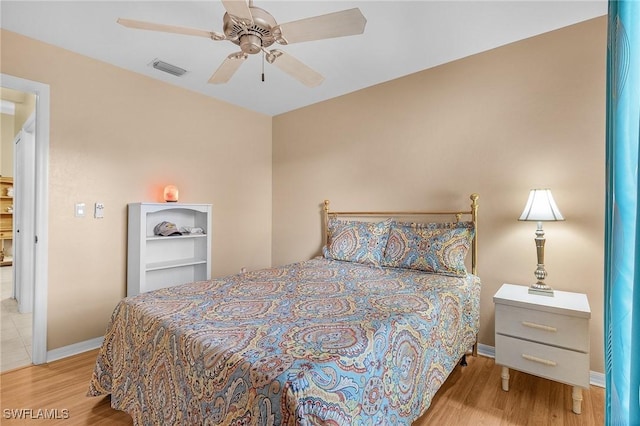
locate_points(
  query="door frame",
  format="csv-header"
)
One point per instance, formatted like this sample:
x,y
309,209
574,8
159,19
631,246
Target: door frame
x,y
41,252
24,214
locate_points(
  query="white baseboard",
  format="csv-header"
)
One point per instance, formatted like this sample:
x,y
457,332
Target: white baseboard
x,y
75,349
595,378
486,350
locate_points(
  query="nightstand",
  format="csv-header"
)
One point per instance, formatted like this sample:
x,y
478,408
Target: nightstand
x,y
544,336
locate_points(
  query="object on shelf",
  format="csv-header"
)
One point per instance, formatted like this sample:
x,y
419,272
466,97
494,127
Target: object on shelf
x,y
191,230
166,229
171,194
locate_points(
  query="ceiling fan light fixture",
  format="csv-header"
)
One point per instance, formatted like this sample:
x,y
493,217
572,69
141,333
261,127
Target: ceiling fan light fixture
x,y
250,44
168,68
272,55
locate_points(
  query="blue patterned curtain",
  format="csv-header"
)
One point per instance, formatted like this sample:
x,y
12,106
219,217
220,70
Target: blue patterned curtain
x,y
622,230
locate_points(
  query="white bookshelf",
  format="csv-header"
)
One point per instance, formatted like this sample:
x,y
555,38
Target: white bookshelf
x,y
155,262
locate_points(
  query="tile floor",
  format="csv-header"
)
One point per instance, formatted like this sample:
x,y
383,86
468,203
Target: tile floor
x,y
15,330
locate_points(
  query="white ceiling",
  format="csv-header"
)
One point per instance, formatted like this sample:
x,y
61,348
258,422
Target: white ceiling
x,y
400,38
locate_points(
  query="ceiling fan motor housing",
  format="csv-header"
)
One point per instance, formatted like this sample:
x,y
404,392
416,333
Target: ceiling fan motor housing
x,y
251,38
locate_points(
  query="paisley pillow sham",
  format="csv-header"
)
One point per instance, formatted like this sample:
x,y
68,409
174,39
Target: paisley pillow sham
x,y
432,247
355,241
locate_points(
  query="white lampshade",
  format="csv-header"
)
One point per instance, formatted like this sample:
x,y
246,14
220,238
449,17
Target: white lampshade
x,y
541,207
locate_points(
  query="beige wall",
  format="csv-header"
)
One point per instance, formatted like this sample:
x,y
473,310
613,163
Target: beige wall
x,y
118,137
25,105
527,115
6,144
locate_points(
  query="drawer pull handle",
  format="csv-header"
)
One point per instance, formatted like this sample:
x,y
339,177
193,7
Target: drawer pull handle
x,y
539,360
539,326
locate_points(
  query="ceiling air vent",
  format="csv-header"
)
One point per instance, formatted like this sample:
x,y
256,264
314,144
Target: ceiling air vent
x,y
171,69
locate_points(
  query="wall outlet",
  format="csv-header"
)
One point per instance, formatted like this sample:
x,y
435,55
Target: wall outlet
x,y
99,211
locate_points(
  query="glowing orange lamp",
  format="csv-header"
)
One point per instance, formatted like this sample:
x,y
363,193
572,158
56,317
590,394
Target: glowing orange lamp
x,y
171,193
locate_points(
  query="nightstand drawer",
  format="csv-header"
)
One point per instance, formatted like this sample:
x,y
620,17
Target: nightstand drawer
x,y
545,327
549,362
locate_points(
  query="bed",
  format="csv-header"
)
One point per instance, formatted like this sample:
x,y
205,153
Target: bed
x,y
364,334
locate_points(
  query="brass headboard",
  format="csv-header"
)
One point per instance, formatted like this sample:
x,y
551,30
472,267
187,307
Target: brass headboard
x,y
458,215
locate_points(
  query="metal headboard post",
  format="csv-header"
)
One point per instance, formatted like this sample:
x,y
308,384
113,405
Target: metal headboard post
x,y
326,222
474,254
474,243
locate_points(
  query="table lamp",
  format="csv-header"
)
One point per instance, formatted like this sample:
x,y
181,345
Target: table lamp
x,y
541,208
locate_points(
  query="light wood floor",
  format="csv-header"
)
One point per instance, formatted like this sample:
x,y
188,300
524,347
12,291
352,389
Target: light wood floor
x,y
471,396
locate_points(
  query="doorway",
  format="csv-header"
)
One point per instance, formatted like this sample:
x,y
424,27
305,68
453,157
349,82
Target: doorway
x,y
33,253
17,155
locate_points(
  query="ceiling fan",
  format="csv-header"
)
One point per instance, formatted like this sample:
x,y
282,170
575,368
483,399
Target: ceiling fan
x,y
254,30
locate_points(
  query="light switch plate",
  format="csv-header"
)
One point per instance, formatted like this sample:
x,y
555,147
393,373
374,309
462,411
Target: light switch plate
x,y
80,208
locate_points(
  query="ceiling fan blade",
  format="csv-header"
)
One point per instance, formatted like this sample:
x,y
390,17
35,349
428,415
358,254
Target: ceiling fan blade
x,y
239,9
337,24
141,25
294,68
228,68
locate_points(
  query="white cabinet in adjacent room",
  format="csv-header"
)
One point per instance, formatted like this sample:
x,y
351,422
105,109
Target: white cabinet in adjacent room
x,y
159,261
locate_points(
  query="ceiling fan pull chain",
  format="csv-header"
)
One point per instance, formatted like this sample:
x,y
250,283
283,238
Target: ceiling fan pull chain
x,y
263,56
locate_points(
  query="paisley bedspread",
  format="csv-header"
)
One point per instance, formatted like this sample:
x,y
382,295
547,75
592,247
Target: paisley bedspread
x,y
320,342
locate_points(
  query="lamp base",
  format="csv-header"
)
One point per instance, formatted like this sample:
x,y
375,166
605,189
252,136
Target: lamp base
x,y
541,289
